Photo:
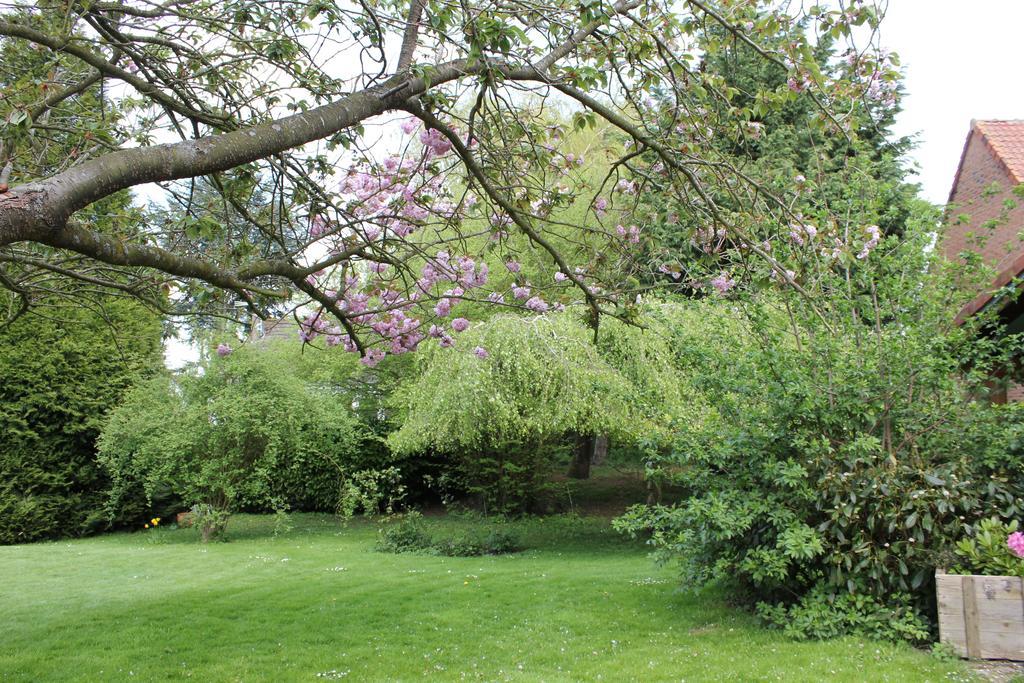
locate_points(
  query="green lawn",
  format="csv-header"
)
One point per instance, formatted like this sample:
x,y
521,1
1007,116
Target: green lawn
x,y
318,603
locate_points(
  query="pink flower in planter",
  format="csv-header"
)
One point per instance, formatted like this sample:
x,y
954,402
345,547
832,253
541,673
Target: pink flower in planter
x,y
1016,543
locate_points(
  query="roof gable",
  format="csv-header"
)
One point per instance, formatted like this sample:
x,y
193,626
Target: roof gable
x,y
1004,139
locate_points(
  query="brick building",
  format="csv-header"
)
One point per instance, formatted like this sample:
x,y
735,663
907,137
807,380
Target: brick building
x,y
981,219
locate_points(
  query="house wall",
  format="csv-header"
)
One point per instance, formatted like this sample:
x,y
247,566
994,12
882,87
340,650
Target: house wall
x,y
979,171
972,199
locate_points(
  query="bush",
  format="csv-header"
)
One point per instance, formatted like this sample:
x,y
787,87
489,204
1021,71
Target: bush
x,y
406,535
409,535
218,439
57,382
823,614
846,447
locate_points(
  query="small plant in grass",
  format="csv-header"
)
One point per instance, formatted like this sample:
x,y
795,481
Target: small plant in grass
x,y
944,652
212,521
404,535
154,533
282,520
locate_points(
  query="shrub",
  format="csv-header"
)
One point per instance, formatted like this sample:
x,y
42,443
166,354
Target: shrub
x,y
58,379
405,535
986,551
409,534
847,443
822,614
219,438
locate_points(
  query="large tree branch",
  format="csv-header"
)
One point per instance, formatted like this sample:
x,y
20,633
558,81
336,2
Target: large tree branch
x,y
28,211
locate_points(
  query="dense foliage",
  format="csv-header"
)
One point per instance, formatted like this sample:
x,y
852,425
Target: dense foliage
x,y
59,376
246,432
408,534
504,405
849,446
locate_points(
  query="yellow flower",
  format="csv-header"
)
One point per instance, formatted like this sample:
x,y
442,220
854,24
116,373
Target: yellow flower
x,y
146,526
155,521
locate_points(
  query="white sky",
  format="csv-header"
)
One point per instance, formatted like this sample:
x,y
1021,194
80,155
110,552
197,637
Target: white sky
x,y
962,62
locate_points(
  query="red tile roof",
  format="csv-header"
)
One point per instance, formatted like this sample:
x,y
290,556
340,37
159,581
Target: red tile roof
x,y
1006,138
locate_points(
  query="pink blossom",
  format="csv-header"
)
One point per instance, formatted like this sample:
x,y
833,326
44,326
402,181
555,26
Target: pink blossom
x,y
1015,541
224,350
874,236
723,283
409,125
561,277
480,352
513,266
626,186
521,292
443,308
318,226
537,305
460,324
372,357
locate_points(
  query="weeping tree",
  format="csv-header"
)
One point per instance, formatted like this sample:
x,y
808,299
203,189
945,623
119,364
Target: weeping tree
x,y
514,391
368,225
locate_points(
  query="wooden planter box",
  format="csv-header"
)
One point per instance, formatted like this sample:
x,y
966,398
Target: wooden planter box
x,y
982,617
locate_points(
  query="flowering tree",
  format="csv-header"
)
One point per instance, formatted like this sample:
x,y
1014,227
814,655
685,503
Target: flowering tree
x,y
249,94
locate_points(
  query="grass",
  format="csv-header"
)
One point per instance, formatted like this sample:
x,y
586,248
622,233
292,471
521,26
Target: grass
x,y
318,604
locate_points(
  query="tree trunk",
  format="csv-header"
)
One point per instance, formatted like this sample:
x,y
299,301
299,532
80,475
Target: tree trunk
x,y
579,468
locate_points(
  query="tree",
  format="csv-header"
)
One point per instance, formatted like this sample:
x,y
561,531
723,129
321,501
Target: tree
x,y
504,402
221,77
61,373
846,446
230,436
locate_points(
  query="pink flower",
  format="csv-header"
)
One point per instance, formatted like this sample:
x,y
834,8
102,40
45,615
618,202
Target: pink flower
x,y
443,308
513,266
521,292
1016,543
537,305
225,350
875,235
626,186
460,324
409,125
480,352
561,277
372,357
723,283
